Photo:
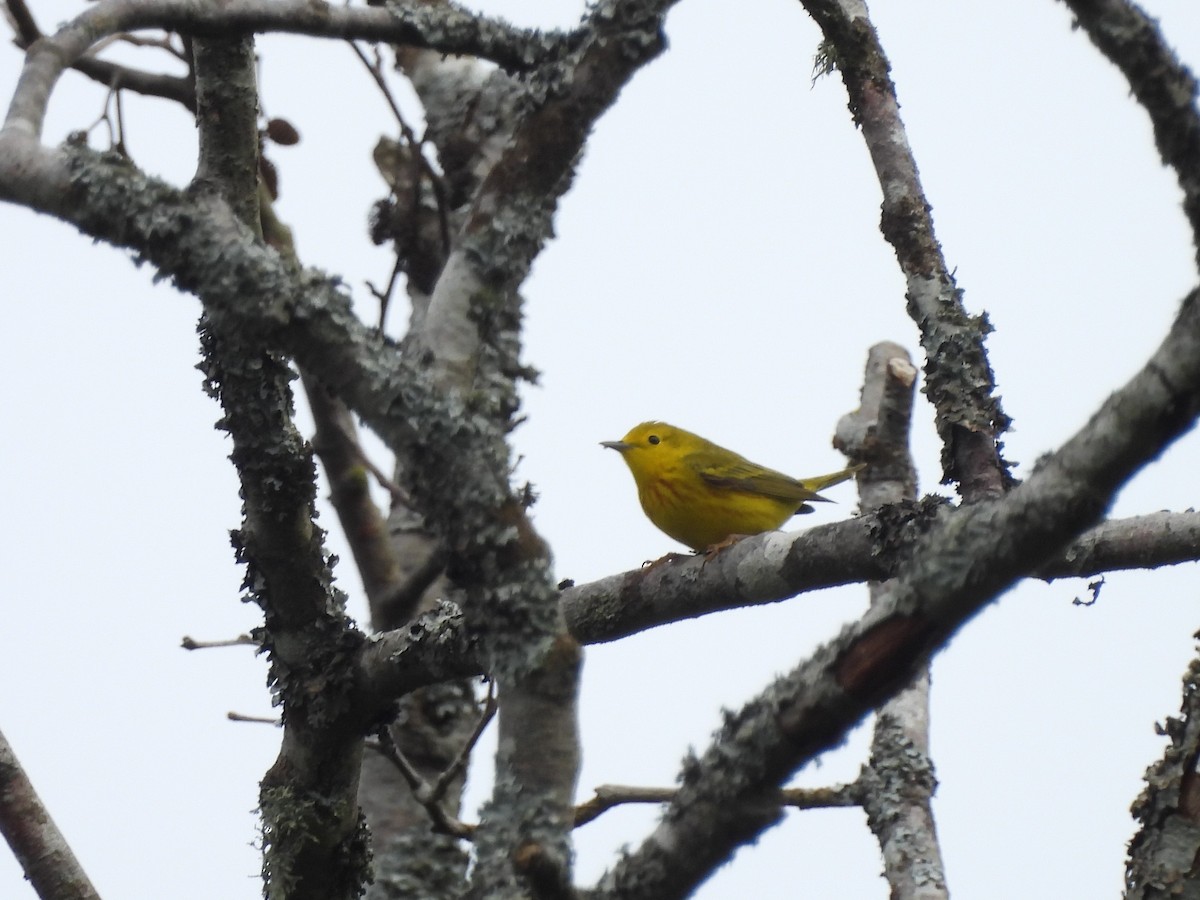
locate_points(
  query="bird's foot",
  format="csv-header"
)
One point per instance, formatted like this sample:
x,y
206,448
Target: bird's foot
x,y
713,549
663,560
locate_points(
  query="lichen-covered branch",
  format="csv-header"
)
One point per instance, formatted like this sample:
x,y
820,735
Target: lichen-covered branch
x,y
432,649
961,565
198,242
314,843
446,402
462,368
429,723
436,648
897,784
442,27
958,376
1162,855
778,566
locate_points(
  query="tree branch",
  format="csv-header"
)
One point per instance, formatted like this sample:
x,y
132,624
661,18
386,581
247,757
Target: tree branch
x,y
959,567
309,317
314,840
442,820
443,27
778,566
436,648
1162,855
1142,542
610,796
958,377
432,649
111,75
344,461
197,241
469,361
897,784
38,845
1164,87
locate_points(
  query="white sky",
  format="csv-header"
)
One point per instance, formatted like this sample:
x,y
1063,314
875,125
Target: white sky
x,y
718,265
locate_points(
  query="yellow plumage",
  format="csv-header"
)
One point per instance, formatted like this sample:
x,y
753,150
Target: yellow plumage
x,y
700,493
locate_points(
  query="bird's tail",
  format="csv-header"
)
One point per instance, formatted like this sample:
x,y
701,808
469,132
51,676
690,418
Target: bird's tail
x,y
824,481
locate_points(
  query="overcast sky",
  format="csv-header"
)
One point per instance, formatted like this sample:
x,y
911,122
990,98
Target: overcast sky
x,y
718,265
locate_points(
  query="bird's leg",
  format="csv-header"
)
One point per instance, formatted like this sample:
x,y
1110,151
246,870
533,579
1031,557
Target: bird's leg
x,y
713,549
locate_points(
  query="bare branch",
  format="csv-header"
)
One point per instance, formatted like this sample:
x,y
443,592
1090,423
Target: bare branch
x,y
442,27
459,766
1142,542
112,75
35,840
242,640
443,822
336,444
435,647
432,796
253,720
23,22
610,796
1164,87
178,88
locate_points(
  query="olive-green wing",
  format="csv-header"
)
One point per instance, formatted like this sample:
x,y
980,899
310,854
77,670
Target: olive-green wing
x,y
743,475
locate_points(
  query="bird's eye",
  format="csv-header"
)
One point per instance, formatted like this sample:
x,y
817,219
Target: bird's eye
x,y
654,439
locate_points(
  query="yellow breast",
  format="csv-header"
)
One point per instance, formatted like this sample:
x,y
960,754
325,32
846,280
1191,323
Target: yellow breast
x,y
694,513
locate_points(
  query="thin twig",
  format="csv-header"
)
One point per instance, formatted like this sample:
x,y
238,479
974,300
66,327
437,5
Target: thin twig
x,y
608,796
464,755
443,822
257,720
376,71
345,433
104,119
239,641
385,297
120,146
430,796
163,43
435,179
149,84
398,493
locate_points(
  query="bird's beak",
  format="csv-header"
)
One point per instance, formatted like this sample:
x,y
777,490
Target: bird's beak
x,y
619,446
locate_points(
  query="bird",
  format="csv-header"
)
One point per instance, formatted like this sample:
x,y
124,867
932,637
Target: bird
x,y
707,497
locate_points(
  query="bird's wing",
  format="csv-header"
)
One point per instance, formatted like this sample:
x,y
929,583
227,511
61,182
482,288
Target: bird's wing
x,y
746,476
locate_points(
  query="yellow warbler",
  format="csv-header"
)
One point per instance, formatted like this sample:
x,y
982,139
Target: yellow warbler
x,y
701,494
